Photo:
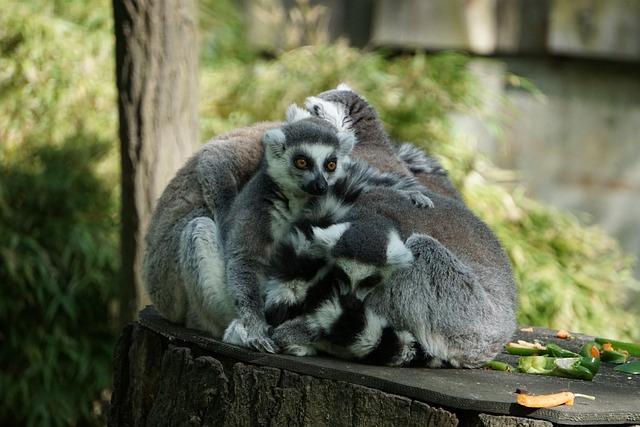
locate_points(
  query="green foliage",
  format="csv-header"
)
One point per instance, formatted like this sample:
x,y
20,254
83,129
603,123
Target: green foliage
x,y
58,269
58,211
570,275
222,33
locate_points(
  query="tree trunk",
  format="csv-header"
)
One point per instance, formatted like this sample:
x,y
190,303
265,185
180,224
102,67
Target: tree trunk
x,y
160,382
156,72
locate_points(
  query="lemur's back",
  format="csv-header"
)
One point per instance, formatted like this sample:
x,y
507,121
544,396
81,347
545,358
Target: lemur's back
x,y
203,188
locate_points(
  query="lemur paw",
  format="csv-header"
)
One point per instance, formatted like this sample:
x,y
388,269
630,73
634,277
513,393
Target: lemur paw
x,y
411,353
237,333
420,199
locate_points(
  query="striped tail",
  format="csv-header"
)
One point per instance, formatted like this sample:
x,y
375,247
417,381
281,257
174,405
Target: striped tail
x,y
351,330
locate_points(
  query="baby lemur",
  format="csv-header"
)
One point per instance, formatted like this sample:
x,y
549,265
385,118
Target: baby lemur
x,y
303,160
318,279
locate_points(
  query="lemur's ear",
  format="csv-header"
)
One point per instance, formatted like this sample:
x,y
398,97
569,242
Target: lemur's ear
x,y
295,113
344,86
347,142
274,141
332,112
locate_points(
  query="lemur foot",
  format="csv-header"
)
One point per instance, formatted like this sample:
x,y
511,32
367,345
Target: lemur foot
x,y
300,350
237,333
420,199
412,353
295,337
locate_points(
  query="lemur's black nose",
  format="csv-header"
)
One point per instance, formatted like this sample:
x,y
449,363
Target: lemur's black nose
x,y
317,187
321,187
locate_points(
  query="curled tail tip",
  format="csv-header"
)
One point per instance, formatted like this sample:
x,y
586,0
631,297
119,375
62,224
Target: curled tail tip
x,y
328,237
397,252
329,111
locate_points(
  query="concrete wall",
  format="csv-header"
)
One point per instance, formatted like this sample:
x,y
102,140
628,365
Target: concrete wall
x,y
577,144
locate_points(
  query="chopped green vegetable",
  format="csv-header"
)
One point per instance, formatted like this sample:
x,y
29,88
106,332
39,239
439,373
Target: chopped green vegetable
x,y
591,363
496,365
590,349
583,368
585,396
542,365
557,351
632,348
523,348
612,356
629,367
523,351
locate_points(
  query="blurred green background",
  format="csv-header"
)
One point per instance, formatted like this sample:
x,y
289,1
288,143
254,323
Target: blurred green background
x,y
59,187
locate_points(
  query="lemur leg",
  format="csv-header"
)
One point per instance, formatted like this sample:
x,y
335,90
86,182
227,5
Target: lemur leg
x,y
202,268
164,281
454,306
250,329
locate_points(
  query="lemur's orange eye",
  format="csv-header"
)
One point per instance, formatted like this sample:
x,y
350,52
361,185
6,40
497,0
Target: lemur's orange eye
x,y
301,163
331,166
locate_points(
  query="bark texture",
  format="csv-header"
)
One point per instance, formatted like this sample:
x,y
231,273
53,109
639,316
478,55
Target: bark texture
x,y
156,73
163,381
159,382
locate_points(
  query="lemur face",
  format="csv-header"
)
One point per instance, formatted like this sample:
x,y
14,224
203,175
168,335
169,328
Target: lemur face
x,y
306,158
314,167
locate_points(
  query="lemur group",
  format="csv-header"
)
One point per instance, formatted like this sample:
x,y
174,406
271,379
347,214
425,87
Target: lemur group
x,y
320,234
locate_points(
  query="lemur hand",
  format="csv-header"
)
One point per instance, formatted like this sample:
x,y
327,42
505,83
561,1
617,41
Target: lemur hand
x,y
254,337
420,199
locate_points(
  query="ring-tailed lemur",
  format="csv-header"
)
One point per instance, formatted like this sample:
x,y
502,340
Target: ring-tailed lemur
x,y
457,298
183,268
316,296
302,161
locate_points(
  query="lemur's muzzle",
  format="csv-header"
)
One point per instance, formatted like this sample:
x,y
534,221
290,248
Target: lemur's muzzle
x,y
317,187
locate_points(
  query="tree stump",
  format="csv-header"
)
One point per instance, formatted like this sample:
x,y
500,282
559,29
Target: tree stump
x,y
163,383
167,375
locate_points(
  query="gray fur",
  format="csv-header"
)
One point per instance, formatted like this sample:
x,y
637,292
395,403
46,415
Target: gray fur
x,y
182,261
264,209
316,292
458,297
277,196
417,161
326,312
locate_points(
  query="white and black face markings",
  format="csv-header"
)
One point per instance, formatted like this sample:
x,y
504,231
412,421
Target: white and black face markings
x,y
320,157
314,154
316,165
